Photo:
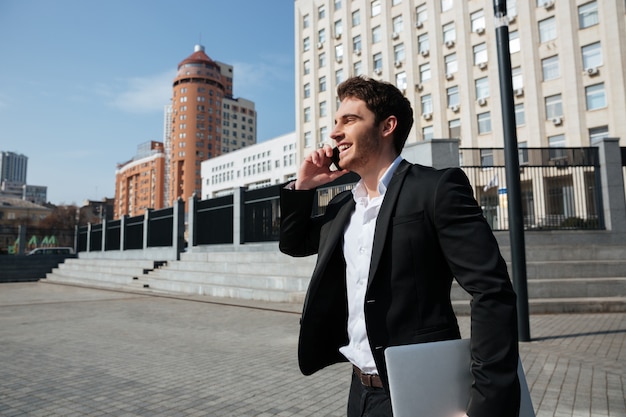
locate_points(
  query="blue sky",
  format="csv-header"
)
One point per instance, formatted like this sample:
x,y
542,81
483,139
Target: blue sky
x,y
83,82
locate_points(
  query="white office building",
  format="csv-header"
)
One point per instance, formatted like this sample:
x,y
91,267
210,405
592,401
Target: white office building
x,y
267,163
568,60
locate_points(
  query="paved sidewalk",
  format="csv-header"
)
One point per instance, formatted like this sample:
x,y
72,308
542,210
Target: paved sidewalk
x,y
70,351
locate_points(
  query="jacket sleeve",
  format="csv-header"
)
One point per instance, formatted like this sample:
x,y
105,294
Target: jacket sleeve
x,y
299,233
474,257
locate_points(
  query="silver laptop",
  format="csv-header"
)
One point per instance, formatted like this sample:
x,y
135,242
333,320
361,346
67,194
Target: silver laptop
x,y
434,379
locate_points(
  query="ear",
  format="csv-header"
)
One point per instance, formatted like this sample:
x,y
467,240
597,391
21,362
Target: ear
x,y
388,126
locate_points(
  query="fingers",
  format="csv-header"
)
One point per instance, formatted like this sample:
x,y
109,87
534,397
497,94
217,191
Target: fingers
x,y
321,156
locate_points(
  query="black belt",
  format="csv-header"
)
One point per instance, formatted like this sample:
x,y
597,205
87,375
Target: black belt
x,y
369,380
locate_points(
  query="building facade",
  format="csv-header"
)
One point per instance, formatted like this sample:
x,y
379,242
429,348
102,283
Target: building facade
x,y
206,121
568,63
140,182
267,163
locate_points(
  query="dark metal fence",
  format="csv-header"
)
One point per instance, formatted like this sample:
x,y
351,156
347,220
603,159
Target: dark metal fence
x,y
560,187
213,221
261,214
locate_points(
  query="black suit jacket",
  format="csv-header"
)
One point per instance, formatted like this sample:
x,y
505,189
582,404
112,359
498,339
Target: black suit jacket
x,y
429,230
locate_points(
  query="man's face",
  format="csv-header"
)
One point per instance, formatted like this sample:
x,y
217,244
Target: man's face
x,y
357,136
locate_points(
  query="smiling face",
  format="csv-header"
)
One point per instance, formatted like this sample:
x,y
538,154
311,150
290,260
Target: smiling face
x,y
366,147
356,134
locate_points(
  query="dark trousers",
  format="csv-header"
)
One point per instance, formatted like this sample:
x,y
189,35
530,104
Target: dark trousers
x,y
367,401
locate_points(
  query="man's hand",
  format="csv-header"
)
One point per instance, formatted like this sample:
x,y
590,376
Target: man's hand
x,y
315,169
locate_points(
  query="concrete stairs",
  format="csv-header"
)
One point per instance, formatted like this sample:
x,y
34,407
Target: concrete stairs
x,y
560,278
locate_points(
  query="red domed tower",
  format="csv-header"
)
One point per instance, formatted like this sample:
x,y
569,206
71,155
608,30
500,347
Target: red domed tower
x,y
199,89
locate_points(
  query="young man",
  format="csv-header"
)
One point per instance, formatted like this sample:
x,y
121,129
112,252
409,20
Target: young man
x,y
387,254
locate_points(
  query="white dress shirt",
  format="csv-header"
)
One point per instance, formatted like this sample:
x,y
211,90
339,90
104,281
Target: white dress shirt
x,y
358,239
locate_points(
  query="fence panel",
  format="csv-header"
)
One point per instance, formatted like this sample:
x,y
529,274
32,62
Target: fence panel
x,y
113,233
262,214
95,242
560,187
214,221
133,233
161,227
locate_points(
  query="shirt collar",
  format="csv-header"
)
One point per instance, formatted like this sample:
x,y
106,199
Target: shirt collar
x,y
359,190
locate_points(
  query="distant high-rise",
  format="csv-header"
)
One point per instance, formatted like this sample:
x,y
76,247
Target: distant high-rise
x,y
206,121
139,183
13,167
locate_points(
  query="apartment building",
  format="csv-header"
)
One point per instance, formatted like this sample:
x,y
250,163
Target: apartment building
x,y
139,183
568,61
205,121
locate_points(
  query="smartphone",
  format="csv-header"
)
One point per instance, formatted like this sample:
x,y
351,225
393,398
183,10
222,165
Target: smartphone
x,y
335,158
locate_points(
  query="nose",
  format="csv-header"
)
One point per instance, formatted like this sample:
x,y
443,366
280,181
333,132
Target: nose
x,y
336,133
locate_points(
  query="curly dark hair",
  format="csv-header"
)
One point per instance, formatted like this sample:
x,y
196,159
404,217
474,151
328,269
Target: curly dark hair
x,y
384,100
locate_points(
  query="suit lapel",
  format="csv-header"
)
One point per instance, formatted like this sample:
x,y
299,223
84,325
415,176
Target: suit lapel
x,y
384,216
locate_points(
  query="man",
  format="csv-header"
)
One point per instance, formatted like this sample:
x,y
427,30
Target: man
x,y
387,253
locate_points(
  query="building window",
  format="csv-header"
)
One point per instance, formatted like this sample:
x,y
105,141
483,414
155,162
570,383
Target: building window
x,y
547,30
396,2
423,46
357,68
398,53
484,122
376,34
588,14
428,132
307,139
378,61
322,60
449,32
592,55
356,43
554,106
307,90
482,88
321,35
451,64
550,68
421,15
595,96
322,83
321,12
338,29
356,18
446,5
375,7
486,157
401,81
480,53
596,134
557,141
427,104
397,24
323,134
306,21
425,73
478,21
339,76
339,52
306,44
518,80
514,42
454,128
323,112
453,96
337,4
307,67
307,114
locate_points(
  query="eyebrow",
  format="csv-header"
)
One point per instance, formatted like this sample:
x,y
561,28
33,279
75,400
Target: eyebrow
x,y
347,116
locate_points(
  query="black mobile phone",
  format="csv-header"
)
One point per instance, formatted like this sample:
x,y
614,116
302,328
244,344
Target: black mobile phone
x,y
335,158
